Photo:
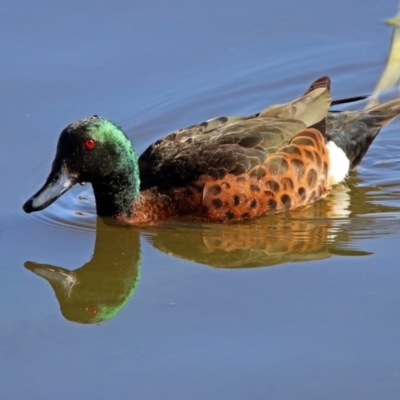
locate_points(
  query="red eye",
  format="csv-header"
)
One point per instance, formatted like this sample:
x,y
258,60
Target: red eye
x,y
90,143
92,310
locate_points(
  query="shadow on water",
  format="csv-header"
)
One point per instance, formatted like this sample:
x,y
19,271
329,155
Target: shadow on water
x,y
99,290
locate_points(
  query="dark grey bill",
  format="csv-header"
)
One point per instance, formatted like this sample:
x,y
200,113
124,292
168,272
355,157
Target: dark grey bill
x,y
58,182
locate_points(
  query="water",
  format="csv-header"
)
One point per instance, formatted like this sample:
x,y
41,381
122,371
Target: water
x,y
299,305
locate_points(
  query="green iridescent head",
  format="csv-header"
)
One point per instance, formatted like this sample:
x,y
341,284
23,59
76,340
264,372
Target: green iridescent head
x,y
93,150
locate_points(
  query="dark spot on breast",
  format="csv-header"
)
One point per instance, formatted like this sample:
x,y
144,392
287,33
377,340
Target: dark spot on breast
x,y
241,179
215,189
287,184
286,201
257,173
245,215
217,203
254,188
319,191
311,197
253,203
226,185
302,193
311,177
273,185
271,203
299,166
229,215
236,200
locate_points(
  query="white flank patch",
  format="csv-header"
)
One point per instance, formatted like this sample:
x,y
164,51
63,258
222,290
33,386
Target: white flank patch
x,y
339,164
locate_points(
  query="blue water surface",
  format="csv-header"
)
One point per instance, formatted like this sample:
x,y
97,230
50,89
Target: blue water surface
x,y
324,323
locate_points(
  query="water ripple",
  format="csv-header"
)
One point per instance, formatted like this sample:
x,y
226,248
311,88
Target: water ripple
x,y
73,211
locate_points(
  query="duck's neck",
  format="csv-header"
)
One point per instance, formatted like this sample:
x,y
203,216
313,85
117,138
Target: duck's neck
x,y
115,197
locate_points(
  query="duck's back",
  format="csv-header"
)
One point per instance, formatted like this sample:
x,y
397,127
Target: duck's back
x,y
241,167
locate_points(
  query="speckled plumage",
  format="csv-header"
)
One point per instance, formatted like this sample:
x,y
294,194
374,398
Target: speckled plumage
x,y
227,168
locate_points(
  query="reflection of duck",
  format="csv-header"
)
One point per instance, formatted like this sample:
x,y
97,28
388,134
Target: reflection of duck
x,y
323,229
231,168
99,289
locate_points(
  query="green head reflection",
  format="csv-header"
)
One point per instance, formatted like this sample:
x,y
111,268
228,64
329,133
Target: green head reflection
x,y
100,289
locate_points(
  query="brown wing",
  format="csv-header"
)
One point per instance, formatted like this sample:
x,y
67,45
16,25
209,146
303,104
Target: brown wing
x,y
230,145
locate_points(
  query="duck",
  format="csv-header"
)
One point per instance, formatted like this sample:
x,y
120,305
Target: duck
x,y
225,169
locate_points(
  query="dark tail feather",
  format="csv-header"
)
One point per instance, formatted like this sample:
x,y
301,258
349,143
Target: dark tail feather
x,y
348,100
354,131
